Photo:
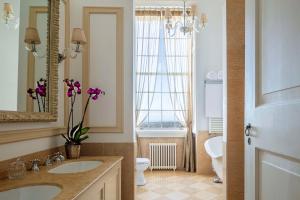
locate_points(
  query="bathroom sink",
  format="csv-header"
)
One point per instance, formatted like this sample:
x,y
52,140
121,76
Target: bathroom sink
x,y
74,167
36,192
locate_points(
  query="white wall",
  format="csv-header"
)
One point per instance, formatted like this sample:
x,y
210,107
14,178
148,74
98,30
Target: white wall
x,y
224,73
209,54
25,147
76,65
9,41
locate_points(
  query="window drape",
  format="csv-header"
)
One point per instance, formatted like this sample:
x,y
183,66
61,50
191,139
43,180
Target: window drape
x,y
155,48
147,51
179,56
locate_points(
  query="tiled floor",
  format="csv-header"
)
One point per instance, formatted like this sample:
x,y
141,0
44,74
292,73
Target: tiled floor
x,y
167,185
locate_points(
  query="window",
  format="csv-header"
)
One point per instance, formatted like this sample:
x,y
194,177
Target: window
x,y
162,75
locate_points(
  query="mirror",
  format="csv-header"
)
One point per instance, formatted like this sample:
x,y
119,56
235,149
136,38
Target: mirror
x,y
28,78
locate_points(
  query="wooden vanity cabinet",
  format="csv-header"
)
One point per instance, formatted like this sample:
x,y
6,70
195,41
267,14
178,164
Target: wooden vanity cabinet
x,y
107,187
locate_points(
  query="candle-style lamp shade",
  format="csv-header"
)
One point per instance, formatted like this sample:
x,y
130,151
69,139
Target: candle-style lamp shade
x,y
32,36
78,36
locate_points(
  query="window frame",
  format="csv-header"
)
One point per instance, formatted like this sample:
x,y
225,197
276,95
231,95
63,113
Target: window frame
x,y
141,53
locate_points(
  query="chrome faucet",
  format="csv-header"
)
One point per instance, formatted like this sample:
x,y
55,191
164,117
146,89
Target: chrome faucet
x,y
57,158
35,165
48,161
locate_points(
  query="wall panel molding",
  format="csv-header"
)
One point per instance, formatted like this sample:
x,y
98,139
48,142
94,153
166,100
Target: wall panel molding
x,y
28,134
119,114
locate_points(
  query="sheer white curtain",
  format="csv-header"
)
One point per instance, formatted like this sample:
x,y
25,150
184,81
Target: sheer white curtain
x,y
147,50
179,65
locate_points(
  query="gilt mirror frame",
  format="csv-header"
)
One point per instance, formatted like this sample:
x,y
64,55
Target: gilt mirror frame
x,y
52,64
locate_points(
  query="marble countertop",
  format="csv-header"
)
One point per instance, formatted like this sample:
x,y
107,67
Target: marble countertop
x,y
72,185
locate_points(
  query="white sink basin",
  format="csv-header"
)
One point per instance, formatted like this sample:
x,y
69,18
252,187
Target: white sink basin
x,y
37,192
74,167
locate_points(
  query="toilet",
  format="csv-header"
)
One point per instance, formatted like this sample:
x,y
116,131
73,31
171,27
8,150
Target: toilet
x,y
141,165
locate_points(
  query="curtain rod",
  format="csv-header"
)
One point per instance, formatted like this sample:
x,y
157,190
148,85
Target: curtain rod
x,y
158,8
157,11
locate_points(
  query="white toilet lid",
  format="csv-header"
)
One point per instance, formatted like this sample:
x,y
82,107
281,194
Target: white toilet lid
x,y
142,160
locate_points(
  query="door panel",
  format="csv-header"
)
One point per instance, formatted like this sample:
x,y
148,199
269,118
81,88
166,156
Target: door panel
x,y
279,177
272,157
279,43
111,188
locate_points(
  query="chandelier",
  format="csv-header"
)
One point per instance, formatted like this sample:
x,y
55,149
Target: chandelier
x,y
190,21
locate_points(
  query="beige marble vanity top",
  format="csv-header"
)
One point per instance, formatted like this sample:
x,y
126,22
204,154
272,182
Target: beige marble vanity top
x,y
72,185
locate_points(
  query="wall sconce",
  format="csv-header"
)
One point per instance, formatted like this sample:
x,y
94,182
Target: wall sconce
x,y
9,17
8,13
78,39
203,20
32,39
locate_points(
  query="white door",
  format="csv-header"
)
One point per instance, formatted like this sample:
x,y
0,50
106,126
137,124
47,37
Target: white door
x,y
272,157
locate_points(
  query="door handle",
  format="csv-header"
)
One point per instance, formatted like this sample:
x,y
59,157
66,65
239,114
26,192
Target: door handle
x,y
248,130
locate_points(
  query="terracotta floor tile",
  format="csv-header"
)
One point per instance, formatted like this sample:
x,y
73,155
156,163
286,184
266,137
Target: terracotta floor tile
x,y
205,195
149,195
179,185
162,190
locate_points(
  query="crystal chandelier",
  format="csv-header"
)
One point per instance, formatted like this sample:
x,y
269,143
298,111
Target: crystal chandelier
x,y
189,22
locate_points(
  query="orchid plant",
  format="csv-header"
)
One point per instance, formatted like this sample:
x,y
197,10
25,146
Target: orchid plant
x,y
77,133
39,94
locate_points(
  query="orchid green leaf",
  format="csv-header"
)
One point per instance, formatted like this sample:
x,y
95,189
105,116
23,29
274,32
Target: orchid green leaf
x,y
83,138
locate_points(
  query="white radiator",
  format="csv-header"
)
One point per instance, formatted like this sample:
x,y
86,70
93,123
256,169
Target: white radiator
x,y
162,156
215,125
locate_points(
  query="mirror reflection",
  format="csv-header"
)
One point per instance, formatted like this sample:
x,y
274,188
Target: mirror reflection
x,y
23,56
